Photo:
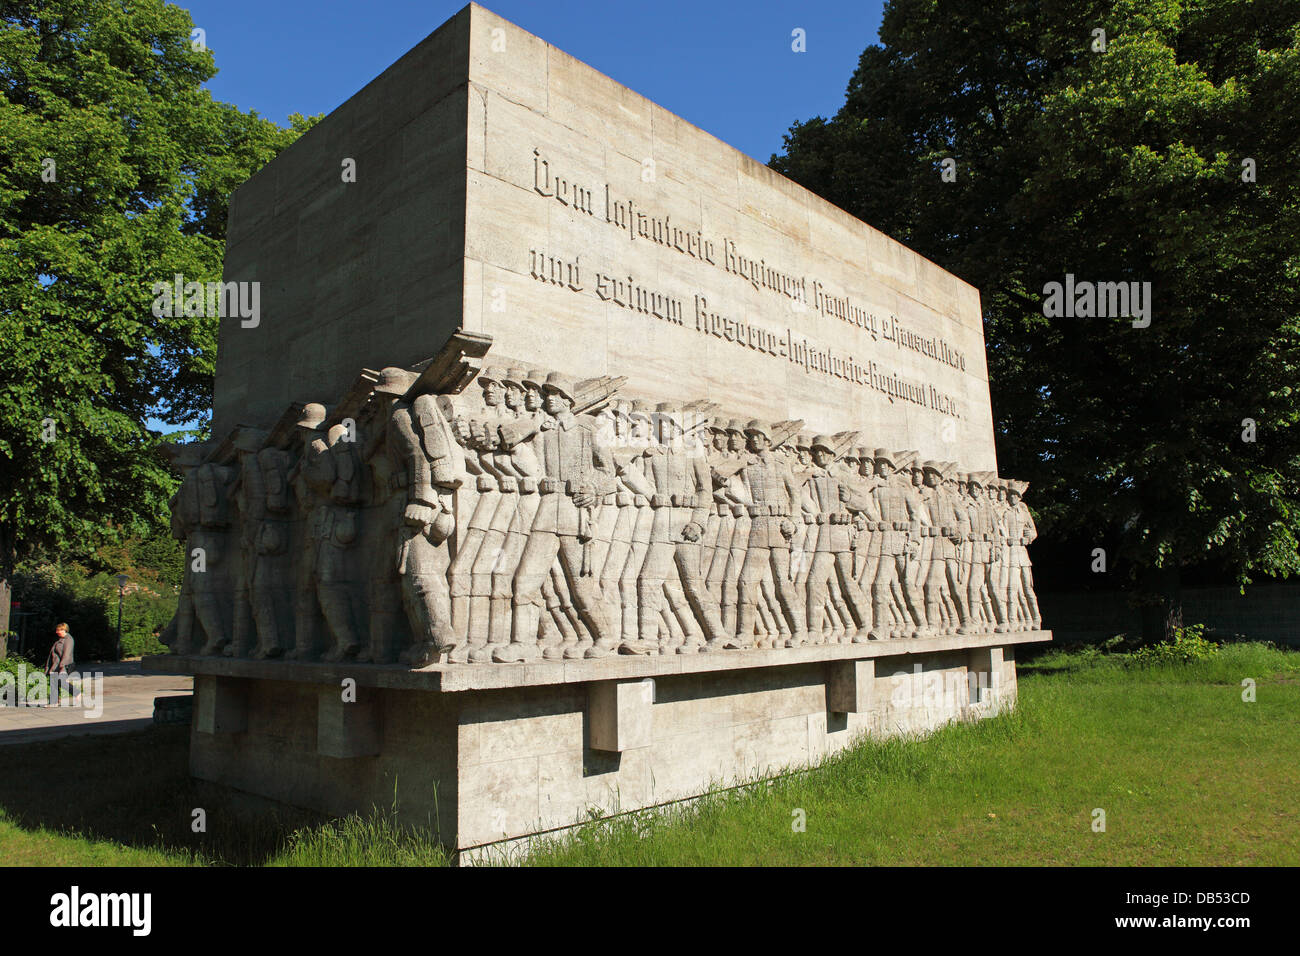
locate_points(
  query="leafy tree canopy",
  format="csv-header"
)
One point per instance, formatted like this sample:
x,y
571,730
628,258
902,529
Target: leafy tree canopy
x,y
115,169
1123,164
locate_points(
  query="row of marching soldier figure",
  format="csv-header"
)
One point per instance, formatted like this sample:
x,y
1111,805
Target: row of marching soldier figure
x,y
533,517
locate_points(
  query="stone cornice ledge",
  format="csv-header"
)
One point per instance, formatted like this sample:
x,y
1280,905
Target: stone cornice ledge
x,y
465,677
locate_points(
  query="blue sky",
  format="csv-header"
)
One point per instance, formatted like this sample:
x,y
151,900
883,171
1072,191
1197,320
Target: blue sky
x,y
725,66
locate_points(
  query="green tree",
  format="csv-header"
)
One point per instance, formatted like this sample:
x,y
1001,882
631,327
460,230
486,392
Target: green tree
x,y
115,168
1126,163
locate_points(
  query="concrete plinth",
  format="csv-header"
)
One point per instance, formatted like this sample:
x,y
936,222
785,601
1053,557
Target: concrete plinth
x,y
483,754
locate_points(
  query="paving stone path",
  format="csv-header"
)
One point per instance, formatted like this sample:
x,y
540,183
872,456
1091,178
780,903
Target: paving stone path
x,y
121,693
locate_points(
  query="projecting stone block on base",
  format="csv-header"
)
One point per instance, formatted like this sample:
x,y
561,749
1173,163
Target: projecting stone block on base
x,y
221,705
621,714
850,687
348,727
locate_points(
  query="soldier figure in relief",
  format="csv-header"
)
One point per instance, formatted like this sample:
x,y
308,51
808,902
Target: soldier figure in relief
x,y
427,460
328,484
798,458
272,583
733,522
899,510
384,518
201,519
499,500
517,462
1021,532
945,606
629,467
919,542
578,472
978,600
470,622
771,495
674,476
830,503
868,533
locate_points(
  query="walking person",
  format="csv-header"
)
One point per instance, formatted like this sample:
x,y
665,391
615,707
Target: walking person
x,y
57,664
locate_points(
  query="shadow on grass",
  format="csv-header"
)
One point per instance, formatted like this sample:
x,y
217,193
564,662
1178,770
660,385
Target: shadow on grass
x,y
135,789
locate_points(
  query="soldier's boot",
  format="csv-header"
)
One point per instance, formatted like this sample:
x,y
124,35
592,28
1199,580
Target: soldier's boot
x,y
645,639
550,634
933,612
1035,616
582,641
913,609
303,622
1000,611
207,607
560,625
337,608
974,610
948,610
745,614
460,611
664,628
818,617
772,623
500,621
242,639
842,624
717,636
650,620
990,620
383,624
523,646
480,609
685,620
880,630
951,619
268,631
432,633
478,631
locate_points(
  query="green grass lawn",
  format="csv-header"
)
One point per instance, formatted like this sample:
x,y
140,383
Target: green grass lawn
x,y
1185,770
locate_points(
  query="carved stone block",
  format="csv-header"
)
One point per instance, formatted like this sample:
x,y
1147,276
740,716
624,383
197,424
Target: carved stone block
x,y
349,728
850,687
621,714
222,705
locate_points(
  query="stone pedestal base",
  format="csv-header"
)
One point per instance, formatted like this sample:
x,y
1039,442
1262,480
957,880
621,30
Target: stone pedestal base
x,y
490,753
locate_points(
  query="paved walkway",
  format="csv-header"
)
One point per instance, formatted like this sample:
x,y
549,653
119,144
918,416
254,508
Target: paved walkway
x,y
123,697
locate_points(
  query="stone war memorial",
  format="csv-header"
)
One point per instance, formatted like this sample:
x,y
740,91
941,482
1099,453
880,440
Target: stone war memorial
x,y
577,460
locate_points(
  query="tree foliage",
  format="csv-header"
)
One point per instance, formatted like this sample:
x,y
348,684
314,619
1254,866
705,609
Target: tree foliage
x,y
1117,165
115,169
